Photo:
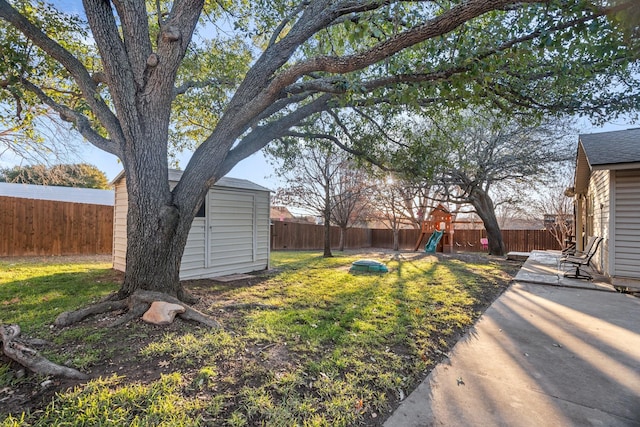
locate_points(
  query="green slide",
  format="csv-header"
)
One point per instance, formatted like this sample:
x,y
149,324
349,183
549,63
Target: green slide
x,y
433,241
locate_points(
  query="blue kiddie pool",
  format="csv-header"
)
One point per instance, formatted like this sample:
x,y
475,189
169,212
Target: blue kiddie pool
x,y
368,266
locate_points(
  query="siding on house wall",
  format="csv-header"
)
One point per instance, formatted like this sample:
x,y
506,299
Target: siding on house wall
x,y
233,237
598,215
626,239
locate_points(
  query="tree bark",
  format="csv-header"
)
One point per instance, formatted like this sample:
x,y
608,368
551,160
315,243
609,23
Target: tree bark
x,y
343,235
327,220
486,211
327,236
396,239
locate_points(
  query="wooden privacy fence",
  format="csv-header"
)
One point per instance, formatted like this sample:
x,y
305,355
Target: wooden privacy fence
x,y
514,240
298,236
43,227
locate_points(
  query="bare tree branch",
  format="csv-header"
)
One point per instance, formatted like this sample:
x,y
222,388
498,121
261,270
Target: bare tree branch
x,y
80,121
71,63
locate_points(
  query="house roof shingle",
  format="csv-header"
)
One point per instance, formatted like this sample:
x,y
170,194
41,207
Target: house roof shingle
x,y
610,148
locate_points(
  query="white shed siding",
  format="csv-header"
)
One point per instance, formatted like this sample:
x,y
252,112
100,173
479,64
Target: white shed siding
x,y
263,217
193,257
627,224
598,212
237,227
233,237
120,226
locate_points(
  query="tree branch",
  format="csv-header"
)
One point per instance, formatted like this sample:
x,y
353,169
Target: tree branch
x,y
338,143
258,138
80,121
437,26
71,63
286,21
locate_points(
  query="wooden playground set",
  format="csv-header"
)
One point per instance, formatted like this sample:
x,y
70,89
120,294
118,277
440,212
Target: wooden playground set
x,y
438,230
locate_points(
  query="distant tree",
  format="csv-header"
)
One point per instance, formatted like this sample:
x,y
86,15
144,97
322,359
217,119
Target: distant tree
x,y
68,175
323,179
398,205
351,198
485,152
556,209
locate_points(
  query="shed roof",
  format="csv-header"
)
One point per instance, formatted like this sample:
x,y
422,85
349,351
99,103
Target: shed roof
x,y
61,194
174,175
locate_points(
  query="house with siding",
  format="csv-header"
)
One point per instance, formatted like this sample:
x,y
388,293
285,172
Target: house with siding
x,y
230,234
607,200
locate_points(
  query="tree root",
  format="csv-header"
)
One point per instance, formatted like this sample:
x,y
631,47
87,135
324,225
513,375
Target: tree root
x,y
29,358
137,304
70,317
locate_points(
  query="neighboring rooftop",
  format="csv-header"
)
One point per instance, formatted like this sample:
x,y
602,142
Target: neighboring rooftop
x,y
607,148
61,194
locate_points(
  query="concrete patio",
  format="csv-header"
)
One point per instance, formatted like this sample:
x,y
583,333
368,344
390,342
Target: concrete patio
x,y
544,268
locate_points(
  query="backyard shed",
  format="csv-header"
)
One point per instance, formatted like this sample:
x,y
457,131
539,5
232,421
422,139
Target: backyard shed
x,y
229,235
607,200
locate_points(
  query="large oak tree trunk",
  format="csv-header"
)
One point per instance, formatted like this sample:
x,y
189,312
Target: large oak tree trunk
x,y
157,230
486,211
155,244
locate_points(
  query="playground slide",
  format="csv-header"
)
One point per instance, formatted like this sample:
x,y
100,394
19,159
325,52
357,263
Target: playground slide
x,y
433,241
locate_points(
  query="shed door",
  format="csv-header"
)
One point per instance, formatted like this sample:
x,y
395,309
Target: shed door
x,y
232,228
627,224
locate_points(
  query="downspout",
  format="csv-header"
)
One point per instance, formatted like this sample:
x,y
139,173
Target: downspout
x,y
579,223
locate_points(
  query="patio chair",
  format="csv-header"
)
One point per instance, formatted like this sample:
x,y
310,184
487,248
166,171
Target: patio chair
x,y
590,241
569,246
485,243
583,260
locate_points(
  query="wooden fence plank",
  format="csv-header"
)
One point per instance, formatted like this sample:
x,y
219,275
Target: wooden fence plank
x,y
43,227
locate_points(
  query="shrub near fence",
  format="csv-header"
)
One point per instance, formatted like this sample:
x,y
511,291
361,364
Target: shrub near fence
x,y
43,227
299,236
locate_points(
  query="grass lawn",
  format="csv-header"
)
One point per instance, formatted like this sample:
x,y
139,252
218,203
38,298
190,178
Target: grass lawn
x,y
305,344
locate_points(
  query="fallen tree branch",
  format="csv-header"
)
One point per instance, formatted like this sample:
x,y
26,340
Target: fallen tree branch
x,y
30,358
